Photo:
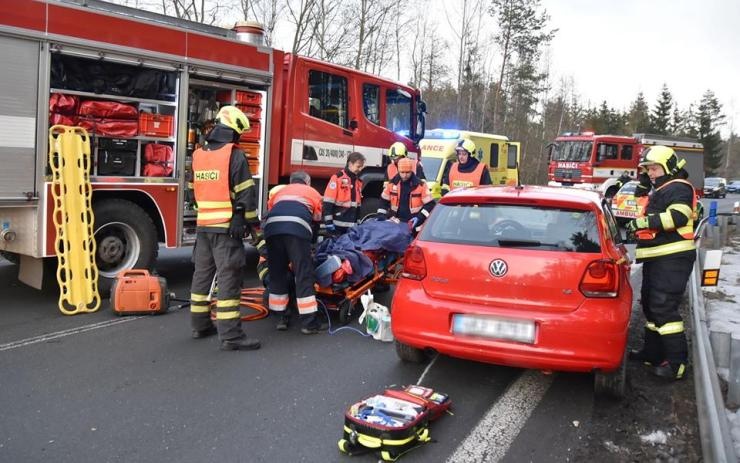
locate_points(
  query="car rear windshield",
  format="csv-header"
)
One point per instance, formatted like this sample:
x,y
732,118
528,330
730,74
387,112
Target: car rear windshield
x,y
628,188
527,227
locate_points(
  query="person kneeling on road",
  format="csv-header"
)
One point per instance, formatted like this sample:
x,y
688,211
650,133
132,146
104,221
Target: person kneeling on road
x,y
406,197
227,208
289,228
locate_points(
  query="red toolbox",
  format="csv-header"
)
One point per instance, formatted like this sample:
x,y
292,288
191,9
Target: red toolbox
x,y
137,292
248,98
156,125
253,134
253,112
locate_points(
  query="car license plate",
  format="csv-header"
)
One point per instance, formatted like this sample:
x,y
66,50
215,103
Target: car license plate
x,y
491,327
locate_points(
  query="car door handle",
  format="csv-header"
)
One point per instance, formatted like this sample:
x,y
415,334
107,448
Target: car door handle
x,y
347,132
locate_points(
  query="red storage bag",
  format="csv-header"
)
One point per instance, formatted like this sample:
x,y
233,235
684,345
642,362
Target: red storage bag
x,y
116,127
157,170
109,110
154,152
61,119
63,104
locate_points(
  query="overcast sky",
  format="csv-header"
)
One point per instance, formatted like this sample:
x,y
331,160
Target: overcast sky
x,y
614,49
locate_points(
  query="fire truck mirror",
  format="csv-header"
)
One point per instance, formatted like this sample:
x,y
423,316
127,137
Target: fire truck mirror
x,y
353,124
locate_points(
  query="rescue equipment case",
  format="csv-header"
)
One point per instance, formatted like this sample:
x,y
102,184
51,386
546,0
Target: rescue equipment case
x,y
116,156
136,292
393,422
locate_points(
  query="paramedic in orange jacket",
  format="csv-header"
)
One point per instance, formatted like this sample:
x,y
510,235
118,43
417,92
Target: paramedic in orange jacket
x,y
467,171
294,213
343,196
407,197
227,208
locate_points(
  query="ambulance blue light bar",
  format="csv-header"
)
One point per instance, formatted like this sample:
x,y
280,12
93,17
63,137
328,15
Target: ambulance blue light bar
x,y
442,133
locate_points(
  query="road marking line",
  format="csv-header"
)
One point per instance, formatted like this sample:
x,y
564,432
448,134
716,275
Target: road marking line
x,y
491,438
63,333
426,370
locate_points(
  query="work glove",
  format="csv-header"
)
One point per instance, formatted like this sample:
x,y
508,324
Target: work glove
x,y
643,188
412,223
238,225
637,224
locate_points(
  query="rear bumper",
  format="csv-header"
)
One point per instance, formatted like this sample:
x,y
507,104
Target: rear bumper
x,y
590,338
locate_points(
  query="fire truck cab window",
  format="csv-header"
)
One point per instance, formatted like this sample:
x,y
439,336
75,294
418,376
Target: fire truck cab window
x,y
608,151
371,102
626,152
327,95
398,112
579,151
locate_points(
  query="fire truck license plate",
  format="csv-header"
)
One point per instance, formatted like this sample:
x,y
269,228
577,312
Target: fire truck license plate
x,y
491,327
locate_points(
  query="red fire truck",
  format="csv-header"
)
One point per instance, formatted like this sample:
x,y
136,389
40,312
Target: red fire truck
x,y
147,87
595,162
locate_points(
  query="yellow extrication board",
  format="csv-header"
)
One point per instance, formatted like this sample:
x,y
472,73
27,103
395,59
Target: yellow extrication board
x,y
69,160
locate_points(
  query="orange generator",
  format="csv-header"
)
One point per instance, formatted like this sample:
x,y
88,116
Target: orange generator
x,y
136,292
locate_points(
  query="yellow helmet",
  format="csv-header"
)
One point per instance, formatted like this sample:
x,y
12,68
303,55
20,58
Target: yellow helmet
x,y
397,150
466,145
233,118
663,156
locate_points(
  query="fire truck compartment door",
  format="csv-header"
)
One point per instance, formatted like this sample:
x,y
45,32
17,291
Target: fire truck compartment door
x,y
19,90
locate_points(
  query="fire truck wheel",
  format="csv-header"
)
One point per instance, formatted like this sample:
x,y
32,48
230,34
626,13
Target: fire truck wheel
x,y
125,238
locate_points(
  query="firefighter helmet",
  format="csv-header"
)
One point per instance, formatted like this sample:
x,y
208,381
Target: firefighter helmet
x,y
466,145
233,118
397,150
663,156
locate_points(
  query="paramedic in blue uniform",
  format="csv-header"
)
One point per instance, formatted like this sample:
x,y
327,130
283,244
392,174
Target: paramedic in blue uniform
x,y
227,210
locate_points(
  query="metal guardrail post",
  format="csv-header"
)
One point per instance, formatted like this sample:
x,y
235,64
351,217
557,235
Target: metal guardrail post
x,y
716,441
733,380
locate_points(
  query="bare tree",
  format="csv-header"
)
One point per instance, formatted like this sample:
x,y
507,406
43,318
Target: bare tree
x,y
302,16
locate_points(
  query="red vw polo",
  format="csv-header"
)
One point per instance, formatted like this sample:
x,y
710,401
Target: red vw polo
x,y
530,277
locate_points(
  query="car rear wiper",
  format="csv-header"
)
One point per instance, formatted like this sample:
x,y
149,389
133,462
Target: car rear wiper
x,y
527,243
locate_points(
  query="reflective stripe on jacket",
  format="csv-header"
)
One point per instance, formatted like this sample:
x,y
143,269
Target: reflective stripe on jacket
x,y
211,185
292,211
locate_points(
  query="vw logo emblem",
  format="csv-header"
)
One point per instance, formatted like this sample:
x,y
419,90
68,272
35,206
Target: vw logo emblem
x,y
498,268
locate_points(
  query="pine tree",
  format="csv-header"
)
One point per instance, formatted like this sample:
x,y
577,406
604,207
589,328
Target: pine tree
x,y
710,118
638,119
660,117
677,122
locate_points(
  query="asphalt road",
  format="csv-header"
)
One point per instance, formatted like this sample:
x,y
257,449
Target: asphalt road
x,y
97,388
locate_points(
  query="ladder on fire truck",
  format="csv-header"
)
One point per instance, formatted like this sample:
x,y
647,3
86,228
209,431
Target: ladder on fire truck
x,y
77,273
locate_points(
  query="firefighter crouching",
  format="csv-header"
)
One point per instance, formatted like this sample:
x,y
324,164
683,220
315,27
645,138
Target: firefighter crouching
x,y
406,197
293,214
396,152
467,171
665,246
343,196
227,207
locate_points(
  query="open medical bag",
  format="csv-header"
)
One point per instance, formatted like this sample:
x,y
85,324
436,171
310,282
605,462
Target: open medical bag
x,y
393,422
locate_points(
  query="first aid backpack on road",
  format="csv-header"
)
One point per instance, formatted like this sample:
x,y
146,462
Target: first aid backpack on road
x,y
393,422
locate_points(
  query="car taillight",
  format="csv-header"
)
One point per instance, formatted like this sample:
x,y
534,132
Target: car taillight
x,y
601,279
414,265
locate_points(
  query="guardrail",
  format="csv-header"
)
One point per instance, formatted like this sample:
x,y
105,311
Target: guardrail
x,y
714,430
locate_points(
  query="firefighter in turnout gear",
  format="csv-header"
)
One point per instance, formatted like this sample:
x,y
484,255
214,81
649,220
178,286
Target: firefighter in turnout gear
x,y
467,171
227,209
406,197
665,246
343,196
396,152
294,213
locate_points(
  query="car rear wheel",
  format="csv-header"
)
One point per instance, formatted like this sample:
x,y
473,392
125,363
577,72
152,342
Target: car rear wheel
x,y
612,384
410,354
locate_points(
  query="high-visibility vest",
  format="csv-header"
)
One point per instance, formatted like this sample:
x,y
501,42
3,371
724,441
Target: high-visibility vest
x,y
417,199
465,179
211,185
392,169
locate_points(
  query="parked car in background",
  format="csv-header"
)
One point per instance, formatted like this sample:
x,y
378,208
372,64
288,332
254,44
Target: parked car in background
x,y
715,187
733,186
529,277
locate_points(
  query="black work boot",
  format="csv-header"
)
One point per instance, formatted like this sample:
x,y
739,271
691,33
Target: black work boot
x,y
652,350
200,334
669,370
243,343
283,322
315,328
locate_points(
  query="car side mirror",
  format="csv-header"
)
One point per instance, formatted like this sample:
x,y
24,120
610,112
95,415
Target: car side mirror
x,y
353,124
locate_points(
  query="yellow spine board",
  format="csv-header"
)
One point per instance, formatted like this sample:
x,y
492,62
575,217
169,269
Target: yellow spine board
x,y
77,274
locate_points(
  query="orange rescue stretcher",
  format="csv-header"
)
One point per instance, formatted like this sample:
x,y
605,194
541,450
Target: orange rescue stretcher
x,y
343,297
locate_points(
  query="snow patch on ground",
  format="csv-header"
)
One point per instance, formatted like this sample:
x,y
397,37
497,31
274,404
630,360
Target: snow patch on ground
x,y
655,438
723,313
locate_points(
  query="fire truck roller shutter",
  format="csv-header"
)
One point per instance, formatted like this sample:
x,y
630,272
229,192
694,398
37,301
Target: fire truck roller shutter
x,y
126,238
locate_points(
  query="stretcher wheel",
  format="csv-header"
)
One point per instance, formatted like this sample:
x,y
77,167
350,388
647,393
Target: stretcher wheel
x,y
345,311
344,446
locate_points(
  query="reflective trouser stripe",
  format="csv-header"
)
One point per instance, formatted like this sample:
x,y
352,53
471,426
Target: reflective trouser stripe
x,y
198,297
665,249
199,303
199,308
651,326
227,303
278,302
306,305
671,328
229,315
